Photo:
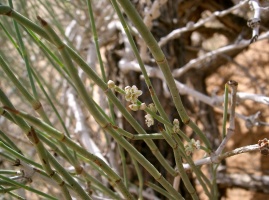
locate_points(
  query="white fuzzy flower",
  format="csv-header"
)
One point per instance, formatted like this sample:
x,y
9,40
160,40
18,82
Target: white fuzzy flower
x,y
132,93
149,120
192,146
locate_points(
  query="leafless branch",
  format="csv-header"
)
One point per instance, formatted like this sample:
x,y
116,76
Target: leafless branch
x,y
153,12
217,158
191,26
199,62
254,23
247,181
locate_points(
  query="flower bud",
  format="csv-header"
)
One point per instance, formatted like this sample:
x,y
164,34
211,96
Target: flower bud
x,y
134,107
176,126
110,84
152,107
142,106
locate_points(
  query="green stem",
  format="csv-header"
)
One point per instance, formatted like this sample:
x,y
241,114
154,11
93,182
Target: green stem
x,y
5,10
140,62
140,179
24,55
134,153
159,190
7,190
9,142
75,185
111,106
43,155
11,38
99,186
200,176
162,63
27,188
42,152
175,144
19,156
36,102
71,157
99,117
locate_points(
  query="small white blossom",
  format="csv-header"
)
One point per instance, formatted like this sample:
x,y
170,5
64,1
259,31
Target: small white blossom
x,y
149,120
192,146
110,84
132,93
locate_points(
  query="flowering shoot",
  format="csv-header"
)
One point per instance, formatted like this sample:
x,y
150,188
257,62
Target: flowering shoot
x,y
192,146
132,93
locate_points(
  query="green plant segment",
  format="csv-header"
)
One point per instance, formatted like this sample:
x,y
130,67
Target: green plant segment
x,y
72,130
68,53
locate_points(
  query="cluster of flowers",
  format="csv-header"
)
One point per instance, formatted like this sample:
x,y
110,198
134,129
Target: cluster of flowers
x,y
132,94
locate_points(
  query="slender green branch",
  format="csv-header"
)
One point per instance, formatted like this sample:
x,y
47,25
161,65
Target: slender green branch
x,y
43,155
9,142
5,10
159,190
27,188
75,185
95,37
101,120
11,38
178,154
140,158
99,186
35,103
162,63
9,172
200,176
140,179
140,62
24,54
111,106
19,156
16,82
7,190
42,152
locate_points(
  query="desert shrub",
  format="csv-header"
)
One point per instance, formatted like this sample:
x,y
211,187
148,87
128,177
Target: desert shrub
x,y
109,100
